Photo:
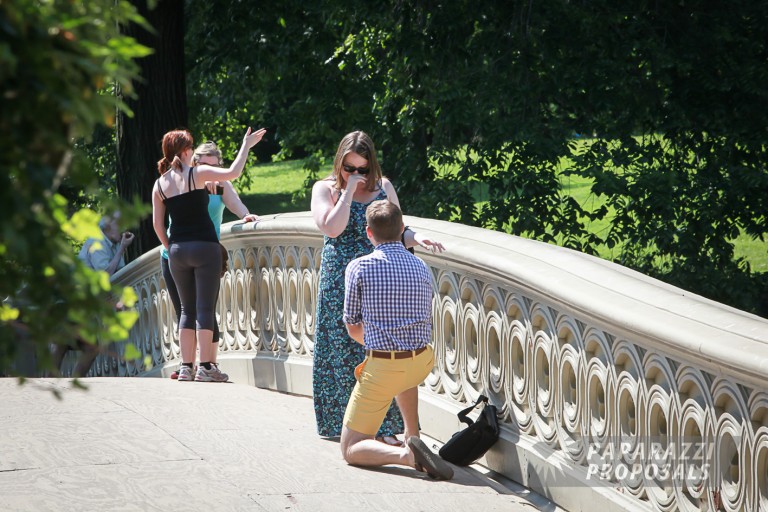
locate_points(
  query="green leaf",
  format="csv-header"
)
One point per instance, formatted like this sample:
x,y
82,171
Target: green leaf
x,y
131,353
83,224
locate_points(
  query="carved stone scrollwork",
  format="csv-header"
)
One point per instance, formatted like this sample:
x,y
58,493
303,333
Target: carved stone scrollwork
x,y
634,392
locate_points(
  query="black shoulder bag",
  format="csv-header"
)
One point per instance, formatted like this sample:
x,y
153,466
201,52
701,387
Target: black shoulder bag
x,y
468,445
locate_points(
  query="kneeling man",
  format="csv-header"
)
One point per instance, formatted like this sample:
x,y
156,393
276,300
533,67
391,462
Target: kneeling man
x,y
388,309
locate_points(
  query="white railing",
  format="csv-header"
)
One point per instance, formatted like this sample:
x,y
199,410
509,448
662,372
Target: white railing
x,y
616,390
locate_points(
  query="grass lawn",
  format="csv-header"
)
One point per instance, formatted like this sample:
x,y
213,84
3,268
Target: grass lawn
x,y
754,251
272,188
274,184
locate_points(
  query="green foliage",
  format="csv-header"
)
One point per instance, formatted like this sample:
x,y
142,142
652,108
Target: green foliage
x,y
680,202
56,59
472,97
270,67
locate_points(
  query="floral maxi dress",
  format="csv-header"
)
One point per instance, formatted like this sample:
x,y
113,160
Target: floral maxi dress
x,y
336,354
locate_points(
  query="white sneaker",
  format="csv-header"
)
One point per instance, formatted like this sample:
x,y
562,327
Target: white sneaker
x,y
185,374
212,375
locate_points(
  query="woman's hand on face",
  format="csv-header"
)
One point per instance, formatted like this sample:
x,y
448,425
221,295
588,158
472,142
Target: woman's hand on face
x,y
251,139
355,181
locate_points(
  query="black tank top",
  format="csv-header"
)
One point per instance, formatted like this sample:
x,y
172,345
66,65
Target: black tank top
x,y
190,221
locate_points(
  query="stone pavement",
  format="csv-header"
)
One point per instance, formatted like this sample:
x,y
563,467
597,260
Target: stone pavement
x,y
157,444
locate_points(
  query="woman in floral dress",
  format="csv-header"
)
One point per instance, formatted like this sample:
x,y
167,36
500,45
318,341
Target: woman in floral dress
x,y
338,208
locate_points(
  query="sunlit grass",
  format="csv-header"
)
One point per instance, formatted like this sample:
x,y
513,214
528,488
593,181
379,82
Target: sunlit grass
x,y
755,251
272,188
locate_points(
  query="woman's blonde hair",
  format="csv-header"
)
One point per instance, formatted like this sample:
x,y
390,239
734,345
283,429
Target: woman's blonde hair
x,y
208,148
357,142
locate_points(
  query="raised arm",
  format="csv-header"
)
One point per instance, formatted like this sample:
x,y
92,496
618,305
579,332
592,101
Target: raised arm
x,y
330,217
211,173
330,210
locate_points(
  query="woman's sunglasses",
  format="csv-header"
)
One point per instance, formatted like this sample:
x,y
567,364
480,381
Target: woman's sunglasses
x,y
360,170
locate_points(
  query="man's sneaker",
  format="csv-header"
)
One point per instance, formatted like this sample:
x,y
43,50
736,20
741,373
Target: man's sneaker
x,y
212,375
185,374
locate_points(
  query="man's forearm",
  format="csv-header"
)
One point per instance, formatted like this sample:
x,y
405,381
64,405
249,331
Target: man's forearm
x,y
356,332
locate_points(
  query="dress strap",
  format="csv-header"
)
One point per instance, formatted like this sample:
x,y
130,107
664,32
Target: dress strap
x,y
191,181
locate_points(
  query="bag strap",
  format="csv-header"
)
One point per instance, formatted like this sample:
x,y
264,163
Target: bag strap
x,y
463,414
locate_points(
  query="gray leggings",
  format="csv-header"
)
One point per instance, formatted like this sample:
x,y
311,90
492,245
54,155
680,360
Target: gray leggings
x,y
173,293
196,269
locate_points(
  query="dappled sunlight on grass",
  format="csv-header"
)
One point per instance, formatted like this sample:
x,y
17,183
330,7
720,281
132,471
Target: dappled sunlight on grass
x,y
272,188
754,251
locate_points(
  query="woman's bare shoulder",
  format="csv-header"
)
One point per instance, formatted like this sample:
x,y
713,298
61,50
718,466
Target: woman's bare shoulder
x,y
386,184
326,183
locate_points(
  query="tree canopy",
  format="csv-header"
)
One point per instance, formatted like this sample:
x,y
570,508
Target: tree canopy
x,y
481,111
660,105
58,62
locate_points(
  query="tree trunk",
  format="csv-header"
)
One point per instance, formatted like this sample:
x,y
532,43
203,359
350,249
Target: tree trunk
x,y
160,105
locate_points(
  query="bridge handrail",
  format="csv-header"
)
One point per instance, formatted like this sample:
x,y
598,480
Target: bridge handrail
x,y
582,356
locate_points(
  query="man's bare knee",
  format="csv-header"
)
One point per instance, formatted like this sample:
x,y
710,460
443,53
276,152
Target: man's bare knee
x,y
349,438
346,452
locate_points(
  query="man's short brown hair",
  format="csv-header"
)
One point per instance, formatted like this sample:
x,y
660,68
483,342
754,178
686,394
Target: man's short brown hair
x,y
385,220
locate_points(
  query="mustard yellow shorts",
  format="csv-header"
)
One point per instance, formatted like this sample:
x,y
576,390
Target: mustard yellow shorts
x,y
378,382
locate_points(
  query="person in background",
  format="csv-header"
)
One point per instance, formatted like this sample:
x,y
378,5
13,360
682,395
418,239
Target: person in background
x,y
221,194
108,252
388,310
105,253
194,252
338,209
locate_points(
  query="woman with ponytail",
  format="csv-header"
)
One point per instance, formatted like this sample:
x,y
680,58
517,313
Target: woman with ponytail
x,y
193,247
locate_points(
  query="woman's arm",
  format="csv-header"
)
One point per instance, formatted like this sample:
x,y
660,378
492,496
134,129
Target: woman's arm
x,y
210,173
158,215
234,204
389,189
331,218
410,237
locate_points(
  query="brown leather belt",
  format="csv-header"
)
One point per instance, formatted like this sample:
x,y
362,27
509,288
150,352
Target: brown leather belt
x,y
394,354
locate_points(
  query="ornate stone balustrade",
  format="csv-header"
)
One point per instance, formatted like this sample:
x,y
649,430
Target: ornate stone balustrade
x,y
618,392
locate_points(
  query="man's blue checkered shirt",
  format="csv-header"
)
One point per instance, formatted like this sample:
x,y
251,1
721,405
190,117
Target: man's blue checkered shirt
x,y
390,291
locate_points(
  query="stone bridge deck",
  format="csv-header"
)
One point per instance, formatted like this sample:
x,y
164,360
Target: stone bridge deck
x,y
157,444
